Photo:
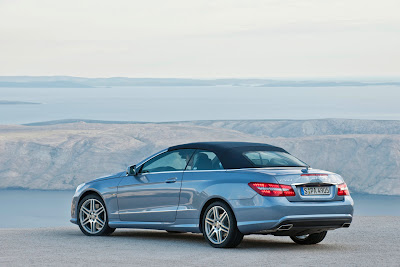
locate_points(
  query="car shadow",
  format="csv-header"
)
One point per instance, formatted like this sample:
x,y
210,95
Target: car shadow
x,y
189,239
280,244
160,236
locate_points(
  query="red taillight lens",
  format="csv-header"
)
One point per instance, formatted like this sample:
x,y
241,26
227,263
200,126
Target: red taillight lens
x,y
287,190
273,190
343,190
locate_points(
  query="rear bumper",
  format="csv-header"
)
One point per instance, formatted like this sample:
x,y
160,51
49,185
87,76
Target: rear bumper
x,y
266,214
302,226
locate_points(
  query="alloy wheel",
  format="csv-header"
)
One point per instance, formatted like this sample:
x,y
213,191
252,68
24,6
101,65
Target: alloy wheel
x,y
217,225
302,237
92,216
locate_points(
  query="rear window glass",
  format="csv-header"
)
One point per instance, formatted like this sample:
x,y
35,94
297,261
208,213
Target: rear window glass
x,y
273,159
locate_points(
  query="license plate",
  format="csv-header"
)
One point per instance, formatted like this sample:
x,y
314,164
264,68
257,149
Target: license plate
x,y
313,191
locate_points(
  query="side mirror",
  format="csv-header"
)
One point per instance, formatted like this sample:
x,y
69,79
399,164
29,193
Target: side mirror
x,y
131,171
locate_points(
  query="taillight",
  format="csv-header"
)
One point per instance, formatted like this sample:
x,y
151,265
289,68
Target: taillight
x,y
343,190
273,190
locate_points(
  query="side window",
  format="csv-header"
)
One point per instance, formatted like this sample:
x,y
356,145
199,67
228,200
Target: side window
x,y
168,161
204,160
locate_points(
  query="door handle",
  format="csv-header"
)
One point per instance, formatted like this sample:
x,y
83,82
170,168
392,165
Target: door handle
x,y
171,180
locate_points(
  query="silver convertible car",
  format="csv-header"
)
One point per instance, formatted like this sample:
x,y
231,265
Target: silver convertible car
x,y
224,190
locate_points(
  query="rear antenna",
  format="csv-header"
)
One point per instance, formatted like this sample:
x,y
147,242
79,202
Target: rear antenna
x,y
305,170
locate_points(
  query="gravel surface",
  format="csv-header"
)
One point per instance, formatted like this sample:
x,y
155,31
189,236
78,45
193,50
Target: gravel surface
x,y
372,241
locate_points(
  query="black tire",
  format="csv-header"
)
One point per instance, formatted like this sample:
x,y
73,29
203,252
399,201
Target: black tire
x,y
106,230
234,237
310,239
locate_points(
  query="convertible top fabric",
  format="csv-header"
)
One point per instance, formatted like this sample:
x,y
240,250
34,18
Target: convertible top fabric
x,y
230,153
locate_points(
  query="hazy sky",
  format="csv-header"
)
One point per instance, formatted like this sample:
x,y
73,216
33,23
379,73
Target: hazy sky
x,y
171,38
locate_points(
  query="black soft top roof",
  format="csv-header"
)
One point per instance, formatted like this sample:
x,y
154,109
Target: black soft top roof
x,y
230,153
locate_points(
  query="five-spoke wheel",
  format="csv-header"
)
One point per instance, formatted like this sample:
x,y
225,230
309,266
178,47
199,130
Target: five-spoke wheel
x,y
219,226
93,216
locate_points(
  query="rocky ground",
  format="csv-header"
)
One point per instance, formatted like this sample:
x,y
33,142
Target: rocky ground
x,y
61,156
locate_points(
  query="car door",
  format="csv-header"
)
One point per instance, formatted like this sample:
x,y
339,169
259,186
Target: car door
x,y
153,194
203,170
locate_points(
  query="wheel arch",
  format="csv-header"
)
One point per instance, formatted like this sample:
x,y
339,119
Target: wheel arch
x,y
89,191
207,203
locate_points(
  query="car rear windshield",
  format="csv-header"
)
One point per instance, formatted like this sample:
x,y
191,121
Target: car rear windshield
x,y
273,159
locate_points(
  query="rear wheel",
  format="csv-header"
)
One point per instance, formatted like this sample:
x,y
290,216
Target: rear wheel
x,y
92,216
219,226
309,239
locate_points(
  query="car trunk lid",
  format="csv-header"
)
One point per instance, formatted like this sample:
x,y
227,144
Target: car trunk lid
x,y
308,184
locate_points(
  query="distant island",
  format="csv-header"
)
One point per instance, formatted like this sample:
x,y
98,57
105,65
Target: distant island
x,y
80,82
49,84
6,102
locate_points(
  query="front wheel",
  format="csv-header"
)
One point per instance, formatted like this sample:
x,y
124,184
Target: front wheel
x,y
219,226
92,217
309,239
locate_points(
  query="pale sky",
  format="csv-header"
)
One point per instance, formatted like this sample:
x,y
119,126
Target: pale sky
x,y
200,39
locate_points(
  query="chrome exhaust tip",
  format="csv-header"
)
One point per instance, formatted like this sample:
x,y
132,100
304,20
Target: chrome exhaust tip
x,y
285,227
346,225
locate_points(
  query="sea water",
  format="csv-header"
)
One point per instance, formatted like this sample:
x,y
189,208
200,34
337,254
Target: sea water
x,y
167,103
